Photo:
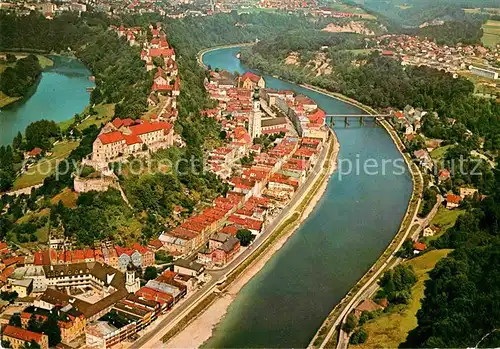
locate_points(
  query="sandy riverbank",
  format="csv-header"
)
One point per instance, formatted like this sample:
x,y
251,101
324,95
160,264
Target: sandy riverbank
x,y
200,330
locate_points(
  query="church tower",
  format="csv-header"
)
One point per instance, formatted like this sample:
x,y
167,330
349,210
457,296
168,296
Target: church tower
x,y
132,284
254,121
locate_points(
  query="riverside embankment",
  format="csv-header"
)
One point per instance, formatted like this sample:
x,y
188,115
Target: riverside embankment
x,y
326,335
355,220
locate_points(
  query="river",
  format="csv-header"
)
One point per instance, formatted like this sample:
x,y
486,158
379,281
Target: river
x,y
59,94
357,217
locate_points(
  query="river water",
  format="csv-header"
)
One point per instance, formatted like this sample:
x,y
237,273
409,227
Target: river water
x,y
357,217
58,96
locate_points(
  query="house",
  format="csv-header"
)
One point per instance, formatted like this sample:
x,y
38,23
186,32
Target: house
x,y
191,268
443,175
453,201
431,231
467,192
131,140
72,323
418,247
22,287
19,337
399,118
424,159
33,153
366,305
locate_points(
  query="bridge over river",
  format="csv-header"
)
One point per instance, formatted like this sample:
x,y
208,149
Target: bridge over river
x,y
361,117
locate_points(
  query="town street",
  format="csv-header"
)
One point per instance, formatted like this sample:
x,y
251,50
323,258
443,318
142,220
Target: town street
x,y
154,336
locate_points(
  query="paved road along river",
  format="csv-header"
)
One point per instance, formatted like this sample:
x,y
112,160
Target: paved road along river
x,y
360,212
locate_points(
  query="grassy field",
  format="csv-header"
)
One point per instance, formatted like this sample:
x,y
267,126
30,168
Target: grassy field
x,y
42,233
104,114
46,166
45,62
67,196
390,329
487,10
5,100
491,33
438,153
339,7
361,51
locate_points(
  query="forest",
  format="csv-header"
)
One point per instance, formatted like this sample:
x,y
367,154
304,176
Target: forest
x,y
18,80
461,297
452,32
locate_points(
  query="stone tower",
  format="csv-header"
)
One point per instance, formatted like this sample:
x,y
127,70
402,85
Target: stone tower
x,y
254,121
132,284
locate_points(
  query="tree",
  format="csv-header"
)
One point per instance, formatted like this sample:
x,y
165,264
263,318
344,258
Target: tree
x,y
40,133
15,320
33,323
18,141
51,328
397,283
350,323
11,58
245,236
359,336
150,273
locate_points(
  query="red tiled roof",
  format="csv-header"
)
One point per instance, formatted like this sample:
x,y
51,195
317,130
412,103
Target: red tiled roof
x,y
419,246
444,173
3,246
141,249
399,115
147,127
78,255
35,152
89,253
132,139
22,334
249,75
454,199
165,52
156,243
149,293
117,122
318,116
229,229
111,137
6,273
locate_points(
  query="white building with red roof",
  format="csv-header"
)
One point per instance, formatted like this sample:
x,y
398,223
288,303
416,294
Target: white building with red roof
x,y
121,139
250,81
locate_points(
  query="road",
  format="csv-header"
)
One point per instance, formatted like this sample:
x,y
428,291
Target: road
x,y
484,157
149,339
